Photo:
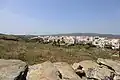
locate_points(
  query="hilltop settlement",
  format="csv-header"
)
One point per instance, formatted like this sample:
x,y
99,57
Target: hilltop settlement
x,y
100,42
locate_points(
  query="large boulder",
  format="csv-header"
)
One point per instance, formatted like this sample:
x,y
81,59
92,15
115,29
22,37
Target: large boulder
x,y
82,67
92,70
13,70
66,71
113,65
100,73
85,64
44,71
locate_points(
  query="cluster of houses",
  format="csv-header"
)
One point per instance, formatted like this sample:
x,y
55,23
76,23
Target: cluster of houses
x,y
101,42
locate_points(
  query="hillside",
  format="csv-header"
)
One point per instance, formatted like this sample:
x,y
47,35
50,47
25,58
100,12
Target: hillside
x,y
32,52
89,34
66,34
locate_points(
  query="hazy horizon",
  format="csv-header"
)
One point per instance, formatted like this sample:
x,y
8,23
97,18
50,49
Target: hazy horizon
x,y
42,17
65,34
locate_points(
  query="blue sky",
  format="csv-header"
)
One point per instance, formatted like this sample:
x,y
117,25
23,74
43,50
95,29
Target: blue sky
x,y
59,16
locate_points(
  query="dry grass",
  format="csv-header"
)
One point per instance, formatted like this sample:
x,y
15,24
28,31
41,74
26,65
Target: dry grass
x,y
33,53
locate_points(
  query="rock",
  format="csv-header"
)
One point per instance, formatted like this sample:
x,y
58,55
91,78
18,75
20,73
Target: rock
x,y
44,71
76,66
99,73
67,72
116,77
113,65
13,70
92,70
82,67
88,64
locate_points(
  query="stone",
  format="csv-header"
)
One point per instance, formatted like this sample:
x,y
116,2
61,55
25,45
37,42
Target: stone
x,y
88,64
66,71
100,73
82,67
13,69
43,71
113,65
92,70
116,77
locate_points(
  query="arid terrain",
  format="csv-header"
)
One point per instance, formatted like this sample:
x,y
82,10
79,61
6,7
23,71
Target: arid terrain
x,y
23,59
33,52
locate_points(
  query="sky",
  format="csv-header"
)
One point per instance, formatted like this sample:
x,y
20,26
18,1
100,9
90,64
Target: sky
x,y
59,16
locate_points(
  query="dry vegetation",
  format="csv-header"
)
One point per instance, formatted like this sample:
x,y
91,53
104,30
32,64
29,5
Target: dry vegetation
x,y
33,52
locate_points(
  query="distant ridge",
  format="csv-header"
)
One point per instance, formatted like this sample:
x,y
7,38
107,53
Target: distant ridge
x,y
71,34
87,34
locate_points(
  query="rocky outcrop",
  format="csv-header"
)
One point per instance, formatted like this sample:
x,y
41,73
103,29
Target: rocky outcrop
x,y
44,71
113,65
13,70
66,71
100,73
102,69
91,70
82,68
